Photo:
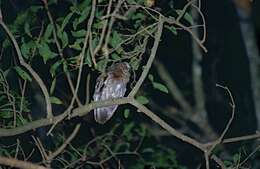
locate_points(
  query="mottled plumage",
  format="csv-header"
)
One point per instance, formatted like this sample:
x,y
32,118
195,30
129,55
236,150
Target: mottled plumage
x,y
112,84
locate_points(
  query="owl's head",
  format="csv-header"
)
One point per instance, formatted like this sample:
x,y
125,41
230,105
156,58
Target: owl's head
x,y
120,70
125,66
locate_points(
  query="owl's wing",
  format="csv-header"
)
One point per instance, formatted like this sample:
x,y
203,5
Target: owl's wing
x,y
98,87
111,89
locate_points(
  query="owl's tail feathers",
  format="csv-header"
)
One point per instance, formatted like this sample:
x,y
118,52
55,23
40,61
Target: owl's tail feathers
x,y
103,114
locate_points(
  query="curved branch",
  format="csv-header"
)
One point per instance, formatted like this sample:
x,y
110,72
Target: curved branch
x,y
30,69
166,126
151,58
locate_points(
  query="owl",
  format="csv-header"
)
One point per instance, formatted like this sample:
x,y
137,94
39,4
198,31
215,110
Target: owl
x,y
111,84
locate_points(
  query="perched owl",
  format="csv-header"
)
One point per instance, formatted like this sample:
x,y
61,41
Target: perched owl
x,y
111,84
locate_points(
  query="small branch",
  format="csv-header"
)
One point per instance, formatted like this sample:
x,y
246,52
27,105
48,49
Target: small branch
x,y
103,30
82,54
218,161
111,23
61,52
171,20
19,163
151,58
232,104
91,49
206,156
249,156
87,89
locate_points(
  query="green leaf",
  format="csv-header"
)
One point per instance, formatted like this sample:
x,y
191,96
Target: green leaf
x,y
48,32
101,65
115,56
127,129
45,52
131,1
150,77
66,21
79,34
23,74
26,49
6,43
134,63
83,5
138,16
172,29
142,99
77,44
6,114
228,163
64,39
5,73
160,87
88,60
115,40
99,25
63,36
148,150
83,17
53,85
126,113
142,130
236,158
55,100
65,67
27,29
186,16
35,9
54,67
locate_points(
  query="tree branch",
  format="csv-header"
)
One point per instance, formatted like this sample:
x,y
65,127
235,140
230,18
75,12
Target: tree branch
x,y
12,162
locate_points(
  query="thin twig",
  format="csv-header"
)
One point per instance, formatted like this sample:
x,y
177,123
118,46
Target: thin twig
x,y
206,156
65,143
109,31
82,54
102,36
233,106
40,148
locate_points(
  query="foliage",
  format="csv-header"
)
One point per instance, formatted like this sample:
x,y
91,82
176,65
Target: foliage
x,y
55,42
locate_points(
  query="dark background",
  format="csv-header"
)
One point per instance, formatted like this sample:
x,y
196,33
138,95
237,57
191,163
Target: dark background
x,y
225,63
